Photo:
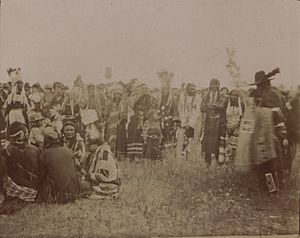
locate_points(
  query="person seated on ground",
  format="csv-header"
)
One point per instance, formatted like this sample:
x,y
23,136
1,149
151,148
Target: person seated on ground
x,y
18,170
36,127
58,179
73,141
102,174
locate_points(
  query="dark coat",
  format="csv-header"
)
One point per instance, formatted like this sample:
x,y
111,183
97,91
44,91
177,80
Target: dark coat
x,y
58,174
22,164
271,98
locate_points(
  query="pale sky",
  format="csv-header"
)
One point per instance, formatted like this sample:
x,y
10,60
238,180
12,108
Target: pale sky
x,y
55,40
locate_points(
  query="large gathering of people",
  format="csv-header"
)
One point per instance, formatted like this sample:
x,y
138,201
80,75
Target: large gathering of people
x,y
60,143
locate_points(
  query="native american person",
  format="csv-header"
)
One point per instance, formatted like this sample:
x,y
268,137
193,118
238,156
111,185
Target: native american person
x,y
167,109
73,141
189,114
293,126
214,127
234,112
36,98
272,99
36,128
48,95
115,118
101,179
58,178
58,95
242,160
2,101
93,111
19,170
152,136
27,89
17,103
135,140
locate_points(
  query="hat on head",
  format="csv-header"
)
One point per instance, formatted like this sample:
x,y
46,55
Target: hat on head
x,y
69,122
50,134
48,86
36,85
234,92
262,77
17,132
35,116
58,85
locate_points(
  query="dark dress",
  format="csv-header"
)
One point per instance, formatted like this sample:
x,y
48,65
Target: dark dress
x,y
135,139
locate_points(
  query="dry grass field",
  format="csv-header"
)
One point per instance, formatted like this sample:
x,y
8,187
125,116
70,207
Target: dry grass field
x,y
167,198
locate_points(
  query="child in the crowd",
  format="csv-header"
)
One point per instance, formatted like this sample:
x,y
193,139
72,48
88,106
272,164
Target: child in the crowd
x,y
152,136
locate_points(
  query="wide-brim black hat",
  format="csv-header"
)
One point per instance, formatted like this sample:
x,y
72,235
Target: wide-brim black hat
x,y
262,77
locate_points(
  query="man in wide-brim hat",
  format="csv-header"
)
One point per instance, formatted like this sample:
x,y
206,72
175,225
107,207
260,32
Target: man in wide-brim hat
x,y
272,98
261,78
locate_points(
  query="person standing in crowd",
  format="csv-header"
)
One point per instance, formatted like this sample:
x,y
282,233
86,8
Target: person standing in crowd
x,y
79,100
7,87
272,99
67,106
167,109
214,128
2,101
47,98
102,174
293,132
19,170
73,141
190,115
90,113
135,128
36,98
234,111
17,104
152,136
58,178
27,89
115,118
58,95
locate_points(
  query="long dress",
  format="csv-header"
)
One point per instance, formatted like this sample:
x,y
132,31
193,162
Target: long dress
x,y
152,134
168,113
214,127
135,139
115,131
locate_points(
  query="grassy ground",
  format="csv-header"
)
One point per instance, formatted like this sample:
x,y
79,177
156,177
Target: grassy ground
x,y
170,198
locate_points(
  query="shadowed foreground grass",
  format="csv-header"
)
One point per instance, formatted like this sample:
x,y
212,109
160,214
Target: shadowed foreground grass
x,y
170,198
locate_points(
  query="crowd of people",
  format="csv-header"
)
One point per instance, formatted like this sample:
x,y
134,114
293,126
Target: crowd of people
x,y
60,143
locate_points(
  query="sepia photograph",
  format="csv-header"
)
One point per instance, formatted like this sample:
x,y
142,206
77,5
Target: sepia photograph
x,y
149,118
